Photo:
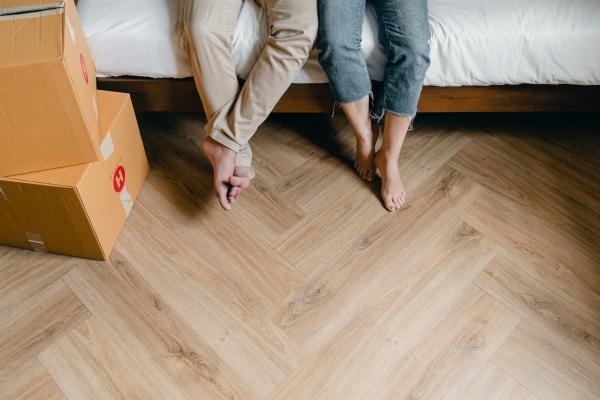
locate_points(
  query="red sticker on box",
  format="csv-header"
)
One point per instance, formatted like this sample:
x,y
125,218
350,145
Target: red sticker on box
x,y
83,68
119,179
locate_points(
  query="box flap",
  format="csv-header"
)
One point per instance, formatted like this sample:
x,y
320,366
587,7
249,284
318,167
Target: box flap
x,y
23,6
30,38
66,176
111,104
57,136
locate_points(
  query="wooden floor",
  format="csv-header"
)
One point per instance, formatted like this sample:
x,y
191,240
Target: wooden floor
x,y
485,286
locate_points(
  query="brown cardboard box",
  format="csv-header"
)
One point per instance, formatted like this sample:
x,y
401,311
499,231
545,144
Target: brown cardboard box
x,y
79,210
48,104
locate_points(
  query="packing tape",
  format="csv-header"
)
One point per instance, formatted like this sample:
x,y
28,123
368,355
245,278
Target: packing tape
x,y
25,12
70,29
107,147
36,242
126,201
28,9
95,105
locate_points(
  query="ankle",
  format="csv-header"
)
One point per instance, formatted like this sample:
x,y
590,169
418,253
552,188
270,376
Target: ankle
x,y
210,145
388,160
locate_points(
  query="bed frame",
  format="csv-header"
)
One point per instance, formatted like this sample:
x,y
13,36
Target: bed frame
x,y
180,95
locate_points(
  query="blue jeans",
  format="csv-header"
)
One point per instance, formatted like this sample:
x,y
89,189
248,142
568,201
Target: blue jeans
x,y
404,35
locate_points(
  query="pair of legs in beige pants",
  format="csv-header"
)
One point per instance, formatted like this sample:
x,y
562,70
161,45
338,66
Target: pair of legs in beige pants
x,y
235,113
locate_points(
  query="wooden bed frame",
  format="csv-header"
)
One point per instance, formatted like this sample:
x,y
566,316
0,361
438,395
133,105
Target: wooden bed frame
x,y
180,95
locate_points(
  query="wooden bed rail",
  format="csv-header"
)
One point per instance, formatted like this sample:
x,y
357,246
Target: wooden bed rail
x,y
180,95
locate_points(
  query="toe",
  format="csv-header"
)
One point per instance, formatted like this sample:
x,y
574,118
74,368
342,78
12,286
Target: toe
x,y
225,203
388,203
366,174
223,199
241,182
238,191
231,196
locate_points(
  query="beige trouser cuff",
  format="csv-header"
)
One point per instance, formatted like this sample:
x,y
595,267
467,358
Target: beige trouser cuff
x,y
244,153
244,157
226,141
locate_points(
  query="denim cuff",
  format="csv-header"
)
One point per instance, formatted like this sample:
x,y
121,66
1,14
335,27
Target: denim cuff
x,y
353,96
378,115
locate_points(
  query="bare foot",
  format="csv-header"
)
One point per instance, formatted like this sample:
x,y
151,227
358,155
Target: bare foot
x,y
242,176
392,189
365,151
222,160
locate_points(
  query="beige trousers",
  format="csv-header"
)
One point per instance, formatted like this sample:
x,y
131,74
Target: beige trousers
x,y
234,114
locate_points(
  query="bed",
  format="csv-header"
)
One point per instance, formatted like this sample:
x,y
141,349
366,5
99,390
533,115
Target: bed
x,y
486,55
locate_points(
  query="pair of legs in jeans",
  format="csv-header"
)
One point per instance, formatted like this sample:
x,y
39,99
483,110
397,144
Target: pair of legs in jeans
x,y
404,34
235,113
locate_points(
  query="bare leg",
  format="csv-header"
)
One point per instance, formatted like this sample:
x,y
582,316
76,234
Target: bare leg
x,y
386,160
366,137
222,160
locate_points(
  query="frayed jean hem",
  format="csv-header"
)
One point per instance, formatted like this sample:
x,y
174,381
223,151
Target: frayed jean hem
x,y
380,117
338,102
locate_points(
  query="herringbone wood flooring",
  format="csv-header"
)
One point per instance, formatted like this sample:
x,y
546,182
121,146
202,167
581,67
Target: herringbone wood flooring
x,y
485,286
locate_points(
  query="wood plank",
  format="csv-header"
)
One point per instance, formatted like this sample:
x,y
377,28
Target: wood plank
x,y
494,384
33,325
217,237
453,353
314,312
226,311
402,355
574,322
530,185
26,273
569,139
547,371
181,95
570,264
31,381
126,303
96,360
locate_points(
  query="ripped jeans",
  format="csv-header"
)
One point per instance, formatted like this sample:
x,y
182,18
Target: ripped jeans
x,y
404,35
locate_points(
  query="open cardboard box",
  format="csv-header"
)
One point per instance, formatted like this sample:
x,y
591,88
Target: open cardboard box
x,y
79,210
48,101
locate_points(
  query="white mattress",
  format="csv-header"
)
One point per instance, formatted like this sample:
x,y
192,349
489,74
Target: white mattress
x,y
473,42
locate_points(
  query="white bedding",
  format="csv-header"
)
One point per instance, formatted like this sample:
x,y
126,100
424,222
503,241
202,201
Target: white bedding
x,y
473,42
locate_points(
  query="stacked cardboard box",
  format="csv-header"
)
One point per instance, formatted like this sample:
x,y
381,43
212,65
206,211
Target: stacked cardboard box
x,y
71,158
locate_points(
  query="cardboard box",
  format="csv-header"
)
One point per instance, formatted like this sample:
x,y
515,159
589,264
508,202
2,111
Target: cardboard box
x,y
79,210
48,103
